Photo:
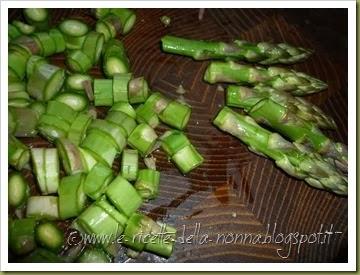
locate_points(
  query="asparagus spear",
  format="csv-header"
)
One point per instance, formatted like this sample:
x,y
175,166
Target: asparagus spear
x,y
283,79
286,122
263,52
246,98
291,157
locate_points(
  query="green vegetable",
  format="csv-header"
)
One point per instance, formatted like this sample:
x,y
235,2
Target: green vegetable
x,y
180,150
13,32
143,139
78,61
282,79
109,26
125,108
52,127
147,183
77,130
286,122
77,82
145,114
18,189
142,233
77,102
42,207
95,220
47,43
61,110
38,107
59,40
73,27
292,158
100,146
49,236
127,18
23,27
93,46
120,87
113,131
72,198
123,196
33,62
100,12
25,121
87,158
129,164
263,52
103,92
115,59
97,180
111,210
22,236
45,82
37,17
46,168
138,90
17,62
26,45
18,153
176,115
246,98
70,156
123,120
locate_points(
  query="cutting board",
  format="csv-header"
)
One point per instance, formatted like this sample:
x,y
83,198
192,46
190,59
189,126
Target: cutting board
x,y
236,193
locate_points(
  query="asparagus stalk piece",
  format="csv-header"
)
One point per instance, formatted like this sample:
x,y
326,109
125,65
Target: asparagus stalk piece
x,y
263,52
72,198
18,189
143,138
49,236
291,157
283,79
22,236
23,27
115,59
75,101
45,82
123,196
246,98
26,120
38,17
129,164
13,32
178,147
298,130
147,183
18,153
97,180
42,207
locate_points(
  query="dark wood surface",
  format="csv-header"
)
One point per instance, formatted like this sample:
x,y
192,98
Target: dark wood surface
x,y
236,191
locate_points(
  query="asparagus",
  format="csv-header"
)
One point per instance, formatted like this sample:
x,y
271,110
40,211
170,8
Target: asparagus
x,y
287,122
291,157
283,79
49,236
37,17
263,52
246,98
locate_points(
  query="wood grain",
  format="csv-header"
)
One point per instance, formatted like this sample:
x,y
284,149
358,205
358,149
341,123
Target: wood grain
x,y
235,191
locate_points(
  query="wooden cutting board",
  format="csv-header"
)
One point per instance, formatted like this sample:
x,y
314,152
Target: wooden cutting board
x,y
236,191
